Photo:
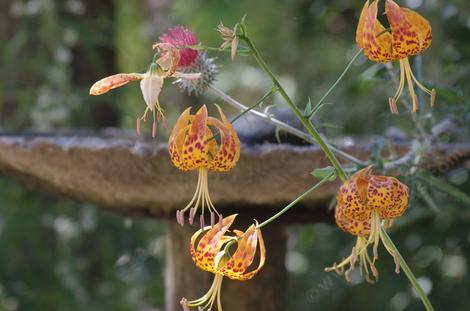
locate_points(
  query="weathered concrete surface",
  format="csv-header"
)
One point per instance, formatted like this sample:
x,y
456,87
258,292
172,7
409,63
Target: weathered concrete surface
x,y
138,177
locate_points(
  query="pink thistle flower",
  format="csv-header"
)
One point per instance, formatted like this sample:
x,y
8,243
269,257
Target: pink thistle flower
x,y
180,36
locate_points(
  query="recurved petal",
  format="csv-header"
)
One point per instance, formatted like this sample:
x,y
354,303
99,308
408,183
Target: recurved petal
x,y
360,25
176,140
203,254
376,42
194,151
243,256
262,259
228,153
106,84
399,200
354,227
388,196
380,192
411,32
352,196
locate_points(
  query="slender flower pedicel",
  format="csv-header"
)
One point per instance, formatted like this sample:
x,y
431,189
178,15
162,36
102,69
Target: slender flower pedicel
x,y
193,145
363,202
151,82
224,255
410,34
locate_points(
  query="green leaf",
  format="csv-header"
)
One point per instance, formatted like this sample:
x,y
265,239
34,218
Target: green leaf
x,y
243,26
325,172
444,186
308,108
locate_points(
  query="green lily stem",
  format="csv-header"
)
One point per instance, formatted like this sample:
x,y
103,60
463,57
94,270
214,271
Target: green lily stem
x,y
409,274
297,200
305,122
339,78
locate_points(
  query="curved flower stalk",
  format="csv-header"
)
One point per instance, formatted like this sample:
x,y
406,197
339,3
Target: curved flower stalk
x,y
363,202
193,145
231,256
191,61
410,35
151,82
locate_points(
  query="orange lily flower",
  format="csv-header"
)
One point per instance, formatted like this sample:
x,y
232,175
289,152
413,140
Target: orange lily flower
x,y
224,255
193,145
410,34
151,82
363,202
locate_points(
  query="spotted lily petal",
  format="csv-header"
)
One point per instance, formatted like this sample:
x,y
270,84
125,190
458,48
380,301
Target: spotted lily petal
x,y
354,227
360,25
352,196
262,258
376,48
388,196
195,143
412,33
192,144
210,244
176,140
229,150
243,256
106,84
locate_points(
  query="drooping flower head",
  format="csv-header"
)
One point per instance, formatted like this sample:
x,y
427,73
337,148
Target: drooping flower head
x,y
410,34
363,202
225,255
203,143
191,61
151,82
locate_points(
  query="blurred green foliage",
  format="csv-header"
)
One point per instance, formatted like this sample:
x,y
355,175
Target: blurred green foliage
x,y
60,255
